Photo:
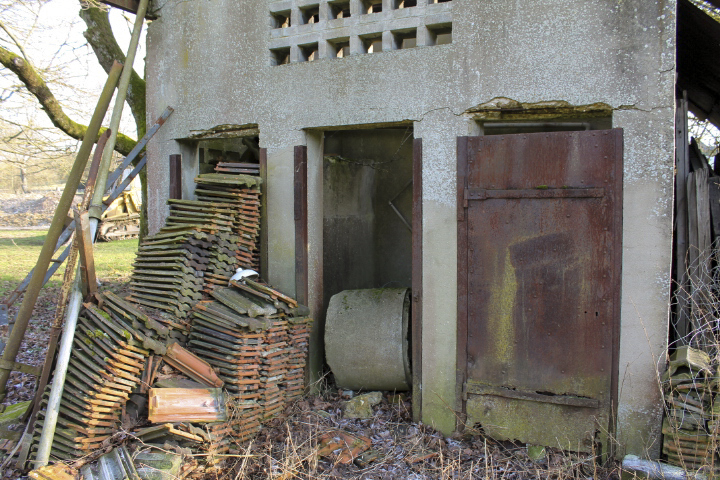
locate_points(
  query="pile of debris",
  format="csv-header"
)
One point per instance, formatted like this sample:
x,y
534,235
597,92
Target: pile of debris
x,y
241,326
691,420
191,361
27,210
243,361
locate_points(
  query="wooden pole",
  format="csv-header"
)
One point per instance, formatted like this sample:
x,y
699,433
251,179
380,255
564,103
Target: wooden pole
x,y
56,227
75,302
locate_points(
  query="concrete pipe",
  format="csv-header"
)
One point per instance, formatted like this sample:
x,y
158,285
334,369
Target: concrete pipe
x,y
366,339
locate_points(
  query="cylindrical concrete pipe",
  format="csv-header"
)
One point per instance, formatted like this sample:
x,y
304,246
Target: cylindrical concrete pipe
x,y
366,339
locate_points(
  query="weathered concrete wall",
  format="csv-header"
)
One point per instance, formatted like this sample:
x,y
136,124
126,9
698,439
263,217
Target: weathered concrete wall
x,y
382,160
348,228
211,61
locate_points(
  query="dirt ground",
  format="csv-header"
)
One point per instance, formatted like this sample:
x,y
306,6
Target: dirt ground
x,y
30,210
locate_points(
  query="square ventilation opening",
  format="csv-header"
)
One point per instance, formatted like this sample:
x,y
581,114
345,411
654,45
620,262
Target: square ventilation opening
x,y
280,56
440,34
372,6
309,14
372,43
404,3
280,19
339,47
308,52
339,9
404,39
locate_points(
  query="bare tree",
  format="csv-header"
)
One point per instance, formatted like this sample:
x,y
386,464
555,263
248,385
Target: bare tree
x,y
50,85
32,149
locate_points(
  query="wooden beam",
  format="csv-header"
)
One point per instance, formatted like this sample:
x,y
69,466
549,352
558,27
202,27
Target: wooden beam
x,y
682,167
416,336
263,215
85,249
129,6
462,280
301,228
20,367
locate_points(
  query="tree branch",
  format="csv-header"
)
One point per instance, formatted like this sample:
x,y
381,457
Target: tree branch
x,y
100,37
36,85
15,40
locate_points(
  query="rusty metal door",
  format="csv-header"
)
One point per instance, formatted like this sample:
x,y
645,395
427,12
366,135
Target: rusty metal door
x,y
540,220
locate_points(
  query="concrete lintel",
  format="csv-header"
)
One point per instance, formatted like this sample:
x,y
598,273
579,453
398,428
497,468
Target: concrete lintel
x,y
281,6
438,18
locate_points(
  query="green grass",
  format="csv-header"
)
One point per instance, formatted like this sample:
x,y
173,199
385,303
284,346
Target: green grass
x,y
19,250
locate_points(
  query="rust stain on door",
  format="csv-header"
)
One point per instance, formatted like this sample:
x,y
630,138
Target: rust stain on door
x,y
543,219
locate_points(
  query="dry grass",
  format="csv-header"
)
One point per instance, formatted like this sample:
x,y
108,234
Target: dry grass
x,y
287,449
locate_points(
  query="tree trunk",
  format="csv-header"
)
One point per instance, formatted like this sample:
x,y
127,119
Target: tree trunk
x,y
100,37
23,180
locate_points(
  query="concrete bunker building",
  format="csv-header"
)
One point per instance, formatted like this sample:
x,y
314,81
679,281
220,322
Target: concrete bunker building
x,y
528,145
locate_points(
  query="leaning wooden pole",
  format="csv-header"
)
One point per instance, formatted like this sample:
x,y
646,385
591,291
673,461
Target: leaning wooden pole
x,y
76,297
97,200
56,227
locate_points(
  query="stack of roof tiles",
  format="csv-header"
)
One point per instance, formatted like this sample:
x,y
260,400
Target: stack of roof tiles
x,y
168,271
202,244
253,338
293,384
241,194
245,333
110,348
690,386
236,167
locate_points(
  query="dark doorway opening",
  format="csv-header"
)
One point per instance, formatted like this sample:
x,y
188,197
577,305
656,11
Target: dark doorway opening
x,y
367,210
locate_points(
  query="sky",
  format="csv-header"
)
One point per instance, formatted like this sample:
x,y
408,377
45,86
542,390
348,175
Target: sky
x,y
55,40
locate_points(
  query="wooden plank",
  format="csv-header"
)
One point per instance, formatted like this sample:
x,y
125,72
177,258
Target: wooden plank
x,y
462,279
714,195
417,297
475,388
703,296
692,251
175,177
681,286
617,186
301,232
702,182
186,405
20,367
130,6
85,249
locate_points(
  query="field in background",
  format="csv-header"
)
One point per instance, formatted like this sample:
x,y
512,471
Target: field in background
x,y
19,250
